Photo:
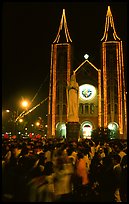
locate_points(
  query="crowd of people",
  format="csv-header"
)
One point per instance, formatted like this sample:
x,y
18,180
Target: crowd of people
x,y
55,170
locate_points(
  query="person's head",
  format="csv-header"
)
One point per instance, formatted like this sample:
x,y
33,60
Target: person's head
x,y
80,155
116,159
69,151
24,151
124,162
107,161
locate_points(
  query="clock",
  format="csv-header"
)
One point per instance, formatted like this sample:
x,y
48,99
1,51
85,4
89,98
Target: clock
x,y
87,92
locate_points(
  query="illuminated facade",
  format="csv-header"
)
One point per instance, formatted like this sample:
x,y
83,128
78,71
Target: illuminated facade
x,y
102,94
89,79
113,91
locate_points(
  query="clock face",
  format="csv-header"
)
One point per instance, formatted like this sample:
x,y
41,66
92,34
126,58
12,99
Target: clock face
x,y
87,92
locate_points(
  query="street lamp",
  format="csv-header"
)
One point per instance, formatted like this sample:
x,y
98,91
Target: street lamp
x,y
24,103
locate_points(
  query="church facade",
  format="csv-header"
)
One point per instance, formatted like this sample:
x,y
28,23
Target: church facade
x,y
102,97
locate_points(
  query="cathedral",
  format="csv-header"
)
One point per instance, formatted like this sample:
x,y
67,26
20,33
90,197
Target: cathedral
x,y
102,97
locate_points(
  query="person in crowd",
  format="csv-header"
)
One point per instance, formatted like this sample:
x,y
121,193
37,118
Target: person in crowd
x,y
107,181
57,170
121,152
46,191
10,176
123,181
71,155
81,180
87,158
63,182
117,173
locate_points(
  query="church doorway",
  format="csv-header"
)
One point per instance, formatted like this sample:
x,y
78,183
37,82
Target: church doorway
x,y
86,129
61,130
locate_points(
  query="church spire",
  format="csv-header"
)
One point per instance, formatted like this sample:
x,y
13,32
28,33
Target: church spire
x,y
63,22
109,21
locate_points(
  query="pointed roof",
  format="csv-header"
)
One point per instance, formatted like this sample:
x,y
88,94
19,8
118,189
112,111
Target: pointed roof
x,y
63,22
109,21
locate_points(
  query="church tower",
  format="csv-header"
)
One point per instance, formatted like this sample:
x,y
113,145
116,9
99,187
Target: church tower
x,y
60,71
114,90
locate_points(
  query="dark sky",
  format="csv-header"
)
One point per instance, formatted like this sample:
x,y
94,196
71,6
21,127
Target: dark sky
x,y
28,30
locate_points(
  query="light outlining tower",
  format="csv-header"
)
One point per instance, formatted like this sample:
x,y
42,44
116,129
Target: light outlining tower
x,y
114,91
60,71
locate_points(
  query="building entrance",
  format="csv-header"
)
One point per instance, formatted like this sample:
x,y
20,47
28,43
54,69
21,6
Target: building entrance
x,y
86,129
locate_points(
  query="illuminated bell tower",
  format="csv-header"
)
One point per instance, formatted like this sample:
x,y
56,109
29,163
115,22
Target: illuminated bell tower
x,y
60,71
114,93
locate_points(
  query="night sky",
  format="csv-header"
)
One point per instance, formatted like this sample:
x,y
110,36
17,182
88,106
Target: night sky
x,y
29,29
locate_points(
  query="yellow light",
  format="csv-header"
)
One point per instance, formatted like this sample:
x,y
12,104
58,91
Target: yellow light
x,y
54,90
63,22
109,20
25,104
37,123
7,111
104,83
21,120
99,98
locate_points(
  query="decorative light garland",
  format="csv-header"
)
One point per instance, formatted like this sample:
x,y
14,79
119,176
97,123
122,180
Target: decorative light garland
x,y
109,21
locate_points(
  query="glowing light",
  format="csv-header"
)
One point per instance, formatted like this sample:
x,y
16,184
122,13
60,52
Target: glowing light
x,y
25,104
109,20
87,92
121,98
37,123
99,87
87,129
112,126
21,120
104,83
7,111
63,22
86,56
125,104
99,98
54,87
